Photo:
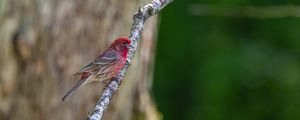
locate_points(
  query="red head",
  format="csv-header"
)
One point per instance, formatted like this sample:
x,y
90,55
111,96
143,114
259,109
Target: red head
x,y
121,45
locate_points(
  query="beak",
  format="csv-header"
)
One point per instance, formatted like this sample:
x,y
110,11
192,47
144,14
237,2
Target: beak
x,y
129,46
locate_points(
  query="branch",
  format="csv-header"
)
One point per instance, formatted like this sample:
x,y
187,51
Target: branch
x,y
139,19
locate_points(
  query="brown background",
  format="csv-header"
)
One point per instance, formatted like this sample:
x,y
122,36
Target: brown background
x,y
43,42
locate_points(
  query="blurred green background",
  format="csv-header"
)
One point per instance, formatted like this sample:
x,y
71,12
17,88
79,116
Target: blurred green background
x,y
218,63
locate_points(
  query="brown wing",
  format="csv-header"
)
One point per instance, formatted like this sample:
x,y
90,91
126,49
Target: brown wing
x,y
104,61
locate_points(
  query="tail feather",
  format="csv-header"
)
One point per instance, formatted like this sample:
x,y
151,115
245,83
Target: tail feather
x,y
76,74
78,84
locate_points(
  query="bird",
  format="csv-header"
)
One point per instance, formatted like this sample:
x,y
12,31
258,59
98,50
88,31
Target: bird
x,y
105,66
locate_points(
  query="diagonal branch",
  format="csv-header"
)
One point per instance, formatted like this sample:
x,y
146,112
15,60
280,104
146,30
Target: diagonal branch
x,y
139,19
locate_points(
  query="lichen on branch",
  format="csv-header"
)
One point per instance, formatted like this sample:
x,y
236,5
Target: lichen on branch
x,y
139,19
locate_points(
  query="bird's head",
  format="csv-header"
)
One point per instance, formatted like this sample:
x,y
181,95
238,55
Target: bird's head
x,y
121,45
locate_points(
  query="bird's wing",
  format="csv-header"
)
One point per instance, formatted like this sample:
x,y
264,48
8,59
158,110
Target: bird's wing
x,y
106,59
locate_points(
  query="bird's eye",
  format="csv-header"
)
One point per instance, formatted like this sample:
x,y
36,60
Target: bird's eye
x,y
124,43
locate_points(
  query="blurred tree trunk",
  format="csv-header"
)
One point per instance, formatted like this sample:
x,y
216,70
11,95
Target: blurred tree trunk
x,y
43,42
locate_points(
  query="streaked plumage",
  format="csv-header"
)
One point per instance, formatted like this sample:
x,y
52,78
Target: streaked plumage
x,y
105,66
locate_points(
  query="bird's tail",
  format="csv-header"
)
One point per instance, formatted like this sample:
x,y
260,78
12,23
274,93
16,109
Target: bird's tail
x,y
77,74
78,84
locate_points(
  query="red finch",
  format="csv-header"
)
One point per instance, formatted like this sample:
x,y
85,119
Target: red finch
x,y
105,66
